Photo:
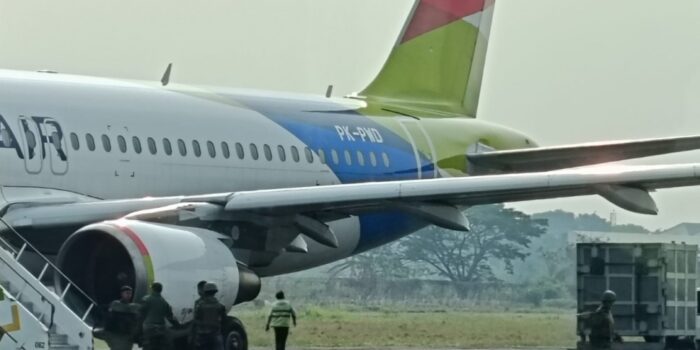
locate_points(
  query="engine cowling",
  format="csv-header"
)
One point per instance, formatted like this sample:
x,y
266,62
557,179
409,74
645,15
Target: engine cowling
x,y
101,257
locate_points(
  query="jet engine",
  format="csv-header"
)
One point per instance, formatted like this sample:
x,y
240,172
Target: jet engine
x,y
101,257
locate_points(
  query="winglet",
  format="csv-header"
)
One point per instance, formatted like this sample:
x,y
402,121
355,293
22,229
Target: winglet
x,y
166,76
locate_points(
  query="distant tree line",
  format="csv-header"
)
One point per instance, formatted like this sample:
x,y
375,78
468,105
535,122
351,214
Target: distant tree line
x,y
504,246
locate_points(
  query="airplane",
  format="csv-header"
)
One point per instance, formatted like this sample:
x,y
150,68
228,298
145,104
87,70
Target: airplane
x,y
158,181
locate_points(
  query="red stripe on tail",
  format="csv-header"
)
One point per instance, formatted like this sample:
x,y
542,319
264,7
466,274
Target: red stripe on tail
x,y
433,14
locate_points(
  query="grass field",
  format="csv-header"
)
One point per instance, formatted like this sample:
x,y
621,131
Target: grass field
x,y
330,328
324,327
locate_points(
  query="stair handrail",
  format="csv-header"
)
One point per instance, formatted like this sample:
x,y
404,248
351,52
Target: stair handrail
x,y
93,303
26,283
9,336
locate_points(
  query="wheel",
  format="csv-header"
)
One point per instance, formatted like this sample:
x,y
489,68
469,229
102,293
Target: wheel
x,y
686,343
234,334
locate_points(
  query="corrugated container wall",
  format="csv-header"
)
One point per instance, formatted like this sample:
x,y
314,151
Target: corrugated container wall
x,y
655,286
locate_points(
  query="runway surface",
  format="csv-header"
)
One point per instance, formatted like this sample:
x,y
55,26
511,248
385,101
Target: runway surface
x,y
400,348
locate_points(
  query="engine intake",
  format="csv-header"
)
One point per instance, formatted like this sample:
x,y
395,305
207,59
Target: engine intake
x,y
100,258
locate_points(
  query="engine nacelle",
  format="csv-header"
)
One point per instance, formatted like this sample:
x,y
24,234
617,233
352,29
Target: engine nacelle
x,y
101,257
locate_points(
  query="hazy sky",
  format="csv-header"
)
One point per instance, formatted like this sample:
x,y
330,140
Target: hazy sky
x,y
563,71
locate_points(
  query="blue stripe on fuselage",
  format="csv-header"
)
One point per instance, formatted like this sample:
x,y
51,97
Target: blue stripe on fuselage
x,y
318,130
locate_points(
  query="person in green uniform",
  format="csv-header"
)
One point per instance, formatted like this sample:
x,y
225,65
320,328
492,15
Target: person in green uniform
x,y
122,321
280,316
209,316
601,322
154,311
200,292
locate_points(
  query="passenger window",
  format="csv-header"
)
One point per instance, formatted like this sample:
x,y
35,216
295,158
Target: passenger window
x,y
137,144
211,149
75,142
372,159
385,157
197,149
239,151
348,157
281,154
225,150
183,148
268,152
322,155
90,142
334,156
167,147
309,155
122,143
254,151
360,158
295,154
106,143
152,145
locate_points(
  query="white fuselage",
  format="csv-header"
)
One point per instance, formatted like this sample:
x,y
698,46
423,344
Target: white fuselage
x,y
66,138
90,113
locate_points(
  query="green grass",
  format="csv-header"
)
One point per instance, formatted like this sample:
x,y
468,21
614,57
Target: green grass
x,y
339,328
329,327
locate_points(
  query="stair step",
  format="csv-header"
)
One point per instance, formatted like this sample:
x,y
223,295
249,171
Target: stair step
x,y
38,297
63,347
58,339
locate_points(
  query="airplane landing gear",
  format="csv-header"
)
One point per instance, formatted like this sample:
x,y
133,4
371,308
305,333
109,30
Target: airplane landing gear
x,y
235,336
233,333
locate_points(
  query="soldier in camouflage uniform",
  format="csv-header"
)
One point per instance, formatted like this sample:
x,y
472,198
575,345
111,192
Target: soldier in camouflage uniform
x,y
122,321
209,316
200,292
154,311
601,322
280,315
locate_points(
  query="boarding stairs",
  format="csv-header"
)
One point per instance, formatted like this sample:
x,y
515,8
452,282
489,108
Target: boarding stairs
x,y
33,313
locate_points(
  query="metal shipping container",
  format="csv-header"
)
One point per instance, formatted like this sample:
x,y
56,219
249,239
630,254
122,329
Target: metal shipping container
x,y
654,283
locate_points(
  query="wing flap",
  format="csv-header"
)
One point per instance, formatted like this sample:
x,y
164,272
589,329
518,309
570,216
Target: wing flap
x,y
560,157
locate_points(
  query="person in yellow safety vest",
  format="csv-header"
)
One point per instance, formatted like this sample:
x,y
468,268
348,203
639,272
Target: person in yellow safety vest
x,y
279,319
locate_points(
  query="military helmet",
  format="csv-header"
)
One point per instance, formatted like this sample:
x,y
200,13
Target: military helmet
x,y
210,287
608,295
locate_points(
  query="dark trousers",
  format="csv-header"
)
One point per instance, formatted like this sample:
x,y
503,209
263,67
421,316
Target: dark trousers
x,y
211,341
155,337
281,334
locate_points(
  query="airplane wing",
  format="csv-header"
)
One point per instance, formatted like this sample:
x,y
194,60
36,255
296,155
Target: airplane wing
x,y
568,156
438,201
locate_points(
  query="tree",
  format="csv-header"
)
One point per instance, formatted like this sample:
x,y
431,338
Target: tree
x,y
382,262
497,233
631,228
371,267
592,222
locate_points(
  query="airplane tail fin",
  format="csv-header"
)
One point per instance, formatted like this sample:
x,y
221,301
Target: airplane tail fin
x,y
438,61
